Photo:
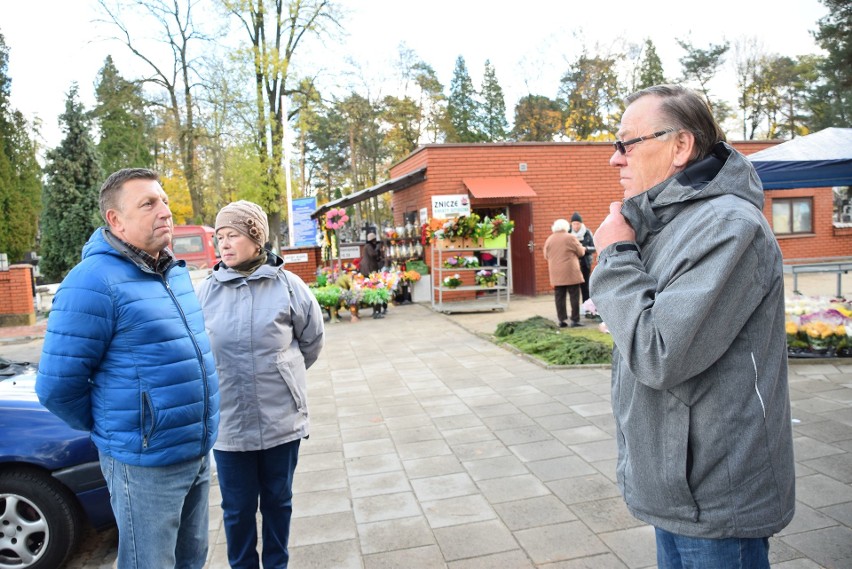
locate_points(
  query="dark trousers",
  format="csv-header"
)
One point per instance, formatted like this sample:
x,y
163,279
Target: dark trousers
x,y
573,291
243,478
584,286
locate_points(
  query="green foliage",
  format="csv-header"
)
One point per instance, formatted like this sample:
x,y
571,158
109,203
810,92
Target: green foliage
x,y
651,68
404,116
125,130
590,97
20,184
374,296
831,98
71,193
327,296
463,106
541,338
537,119
701,65
494,125
327,150
365,139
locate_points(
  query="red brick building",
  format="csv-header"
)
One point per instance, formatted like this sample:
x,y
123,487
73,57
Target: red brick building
x,y
564,178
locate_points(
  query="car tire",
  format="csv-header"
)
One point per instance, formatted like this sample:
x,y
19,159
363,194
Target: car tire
x,y
39,521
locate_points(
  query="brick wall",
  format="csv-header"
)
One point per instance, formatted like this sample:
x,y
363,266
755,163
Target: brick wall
x,y
16,296
576,176
306,270
826,243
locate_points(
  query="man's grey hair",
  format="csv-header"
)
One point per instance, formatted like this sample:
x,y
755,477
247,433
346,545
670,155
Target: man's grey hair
x,y
111,189
685,109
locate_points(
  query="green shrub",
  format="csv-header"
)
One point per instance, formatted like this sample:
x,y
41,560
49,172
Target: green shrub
x,y
541,338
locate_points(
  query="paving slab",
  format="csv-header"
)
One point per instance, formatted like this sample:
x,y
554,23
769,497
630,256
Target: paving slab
x,y
432,447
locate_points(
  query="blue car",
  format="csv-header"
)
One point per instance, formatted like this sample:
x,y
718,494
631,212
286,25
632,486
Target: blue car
x,y
50,478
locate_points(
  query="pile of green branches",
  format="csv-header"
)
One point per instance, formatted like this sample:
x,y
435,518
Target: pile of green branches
x,y
541,338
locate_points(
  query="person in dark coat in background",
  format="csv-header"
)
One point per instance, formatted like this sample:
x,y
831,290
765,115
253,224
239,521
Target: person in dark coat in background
x,y
371,257
586,239
372,260
563,253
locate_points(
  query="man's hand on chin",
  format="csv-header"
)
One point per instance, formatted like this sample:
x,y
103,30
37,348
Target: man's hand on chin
x,y
613,229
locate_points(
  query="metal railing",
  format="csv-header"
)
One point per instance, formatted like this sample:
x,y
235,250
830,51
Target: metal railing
x,y
840,268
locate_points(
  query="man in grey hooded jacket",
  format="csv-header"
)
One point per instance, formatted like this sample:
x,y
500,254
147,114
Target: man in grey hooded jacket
x,y
689,281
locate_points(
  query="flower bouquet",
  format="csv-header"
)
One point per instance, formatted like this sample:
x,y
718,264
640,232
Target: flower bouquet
x,y
822,336
488,277
818,326
410,276
352,297
452,281
458,261
376,296
500,228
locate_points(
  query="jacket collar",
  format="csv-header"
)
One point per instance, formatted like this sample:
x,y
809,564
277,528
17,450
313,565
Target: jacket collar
x,y
274,263
723,172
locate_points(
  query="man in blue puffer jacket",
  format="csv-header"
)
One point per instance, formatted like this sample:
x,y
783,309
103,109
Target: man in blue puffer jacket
x,y
127,358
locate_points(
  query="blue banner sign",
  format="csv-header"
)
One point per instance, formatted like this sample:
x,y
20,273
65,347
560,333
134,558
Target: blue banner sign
x,y
304,228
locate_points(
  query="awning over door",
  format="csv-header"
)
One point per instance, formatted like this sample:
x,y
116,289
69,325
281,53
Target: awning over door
x,y
499,187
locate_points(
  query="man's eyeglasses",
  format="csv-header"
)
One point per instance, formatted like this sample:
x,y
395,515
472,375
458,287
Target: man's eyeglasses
x,y
621,146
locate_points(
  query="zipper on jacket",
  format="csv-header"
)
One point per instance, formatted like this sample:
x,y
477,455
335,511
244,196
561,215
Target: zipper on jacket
x,y
198,354
756,390
149,406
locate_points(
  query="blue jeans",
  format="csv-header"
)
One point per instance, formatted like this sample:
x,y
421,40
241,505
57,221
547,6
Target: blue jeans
x,y
161,513
245,476
681,552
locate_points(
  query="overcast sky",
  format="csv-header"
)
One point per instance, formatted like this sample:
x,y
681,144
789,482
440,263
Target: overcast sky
x,y
55,42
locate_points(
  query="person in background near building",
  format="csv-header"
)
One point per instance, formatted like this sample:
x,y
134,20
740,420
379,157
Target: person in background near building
x,y
267,329
371,261
689,282
563,252
126,356
584,236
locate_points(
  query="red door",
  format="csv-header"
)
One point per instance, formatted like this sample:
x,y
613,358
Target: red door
x,y
522,249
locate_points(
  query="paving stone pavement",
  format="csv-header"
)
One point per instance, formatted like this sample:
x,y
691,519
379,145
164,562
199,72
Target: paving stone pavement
x,y
432,447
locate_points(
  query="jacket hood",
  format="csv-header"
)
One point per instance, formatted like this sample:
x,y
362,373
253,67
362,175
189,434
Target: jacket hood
x,y
98,245
724,172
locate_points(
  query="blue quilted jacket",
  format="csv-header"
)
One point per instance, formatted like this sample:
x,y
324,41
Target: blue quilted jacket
x,y
126,357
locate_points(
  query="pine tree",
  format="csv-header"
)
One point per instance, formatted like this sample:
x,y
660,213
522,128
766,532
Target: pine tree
x,y
71,193
831,98
494,124
125,130
20,184
651,68
463,107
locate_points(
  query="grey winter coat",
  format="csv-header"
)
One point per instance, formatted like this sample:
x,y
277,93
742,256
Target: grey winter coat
x,y
699,372
266,330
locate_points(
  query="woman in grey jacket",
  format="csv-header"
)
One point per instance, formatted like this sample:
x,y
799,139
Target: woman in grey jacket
x,y
266,329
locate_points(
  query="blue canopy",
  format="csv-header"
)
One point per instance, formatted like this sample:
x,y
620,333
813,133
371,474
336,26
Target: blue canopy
x,y
821,159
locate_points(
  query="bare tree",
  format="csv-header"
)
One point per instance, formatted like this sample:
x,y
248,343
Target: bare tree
x,y
276,29
176,30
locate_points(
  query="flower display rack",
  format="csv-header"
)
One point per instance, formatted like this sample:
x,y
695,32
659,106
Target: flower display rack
x,y
469,296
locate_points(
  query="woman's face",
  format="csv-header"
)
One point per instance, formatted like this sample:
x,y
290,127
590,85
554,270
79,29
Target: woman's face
x,y
235,247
